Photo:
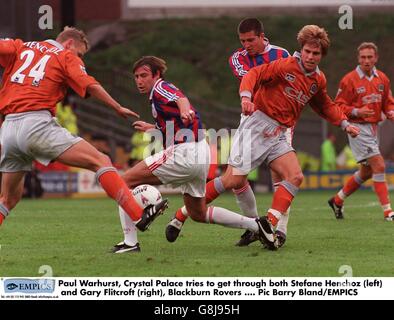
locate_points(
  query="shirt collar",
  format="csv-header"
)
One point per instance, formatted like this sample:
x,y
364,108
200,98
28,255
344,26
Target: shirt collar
x,y
361,73
153,88
55,43
297,55
267,44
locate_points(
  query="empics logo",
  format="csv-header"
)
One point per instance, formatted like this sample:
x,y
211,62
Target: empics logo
x,y
29,285
11,286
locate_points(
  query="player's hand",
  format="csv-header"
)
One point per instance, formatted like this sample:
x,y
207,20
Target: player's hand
x,y
142,126
390,115
365,112
248,107
352,130
125,113
187,116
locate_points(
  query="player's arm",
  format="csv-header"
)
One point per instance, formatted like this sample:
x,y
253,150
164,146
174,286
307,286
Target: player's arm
x,y
322,104
256,77
171,94
246,90
345,98
238,65
97,91
388,102
7,46
143,126
83,84
187,114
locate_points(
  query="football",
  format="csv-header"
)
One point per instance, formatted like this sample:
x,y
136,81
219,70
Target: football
x,y
146,194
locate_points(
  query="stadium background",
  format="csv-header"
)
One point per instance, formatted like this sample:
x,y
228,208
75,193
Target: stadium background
x,y
196,42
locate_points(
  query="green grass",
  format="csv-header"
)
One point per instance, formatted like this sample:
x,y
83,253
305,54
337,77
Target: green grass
x,y
74,236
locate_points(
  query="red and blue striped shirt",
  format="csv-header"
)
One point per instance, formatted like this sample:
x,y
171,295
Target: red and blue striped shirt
x,y
163,98
241,62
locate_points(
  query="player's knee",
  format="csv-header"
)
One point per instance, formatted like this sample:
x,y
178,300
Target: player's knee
x,y
366,175
105,160
101,160
297,178
379,167
233,182
197,215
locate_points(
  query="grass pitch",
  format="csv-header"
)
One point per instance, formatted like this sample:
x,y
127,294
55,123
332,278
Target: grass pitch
x,y
73,237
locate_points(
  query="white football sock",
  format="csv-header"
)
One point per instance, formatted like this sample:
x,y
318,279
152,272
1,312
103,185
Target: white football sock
x,y
128,227
246,201
284,219
283,222
184,211
230,219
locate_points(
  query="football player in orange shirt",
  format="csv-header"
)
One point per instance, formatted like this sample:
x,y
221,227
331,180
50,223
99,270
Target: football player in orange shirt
x,y
272,98
36,76
256,50
364,94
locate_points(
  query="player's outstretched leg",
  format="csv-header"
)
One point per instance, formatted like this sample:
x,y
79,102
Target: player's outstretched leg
x,y
351,186
227,218
11,193
281,228
174,227
130,242
247,203
266,233
336,208
123,247
150,213
214,189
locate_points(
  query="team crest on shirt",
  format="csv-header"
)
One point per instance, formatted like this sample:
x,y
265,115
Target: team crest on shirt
x,y
290,77
381,87
360,90
313,88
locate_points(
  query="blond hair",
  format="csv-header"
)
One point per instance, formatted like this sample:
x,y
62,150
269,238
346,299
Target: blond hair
x,y
367,45
155,64
75,34
314,35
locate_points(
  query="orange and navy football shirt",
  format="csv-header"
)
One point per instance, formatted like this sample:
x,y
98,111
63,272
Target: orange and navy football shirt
x,y
357,90
37,75
282,88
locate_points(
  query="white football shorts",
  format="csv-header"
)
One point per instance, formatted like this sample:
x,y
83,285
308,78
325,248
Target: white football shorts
x,y
184,165
366,144
29,136
258,139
